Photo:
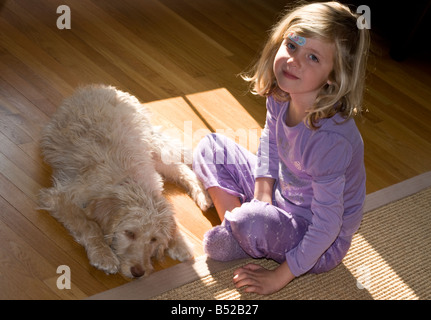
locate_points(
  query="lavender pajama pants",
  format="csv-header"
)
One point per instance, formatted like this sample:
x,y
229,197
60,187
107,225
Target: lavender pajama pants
x,y
257,229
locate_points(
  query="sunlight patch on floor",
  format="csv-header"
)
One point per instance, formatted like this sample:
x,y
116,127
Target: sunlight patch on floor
x,y
374,274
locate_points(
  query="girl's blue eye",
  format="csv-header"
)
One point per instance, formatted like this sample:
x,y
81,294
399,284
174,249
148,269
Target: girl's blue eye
x,y
290,46
313,58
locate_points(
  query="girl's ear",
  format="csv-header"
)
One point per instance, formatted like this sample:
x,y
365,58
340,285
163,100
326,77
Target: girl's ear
x,y
329,82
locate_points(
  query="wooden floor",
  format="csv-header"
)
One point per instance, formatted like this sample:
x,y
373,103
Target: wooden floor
x,y
181,58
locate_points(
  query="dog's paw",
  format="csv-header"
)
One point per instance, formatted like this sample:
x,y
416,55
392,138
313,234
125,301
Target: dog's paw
x,y
181,249
104,259
47,199
180,254
203,200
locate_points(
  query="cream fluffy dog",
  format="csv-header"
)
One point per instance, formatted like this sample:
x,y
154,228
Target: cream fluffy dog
x,y
107,164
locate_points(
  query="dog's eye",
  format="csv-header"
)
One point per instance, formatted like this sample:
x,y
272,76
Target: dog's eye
x,y
129,234
153,239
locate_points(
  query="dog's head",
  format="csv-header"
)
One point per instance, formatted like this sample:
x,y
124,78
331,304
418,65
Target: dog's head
x,y
137,231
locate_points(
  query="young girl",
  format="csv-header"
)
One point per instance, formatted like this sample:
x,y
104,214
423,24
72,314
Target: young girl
x,y
299,200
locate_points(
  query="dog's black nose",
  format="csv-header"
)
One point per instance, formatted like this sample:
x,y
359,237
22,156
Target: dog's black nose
x,y
137,271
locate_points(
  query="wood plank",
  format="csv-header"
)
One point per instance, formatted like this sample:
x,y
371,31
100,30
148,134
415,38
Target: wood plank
x,y
32,241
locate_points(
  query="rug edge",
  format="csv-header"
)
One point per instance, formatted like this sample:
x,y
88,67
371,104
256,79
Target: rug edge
x,y
397,191
165,280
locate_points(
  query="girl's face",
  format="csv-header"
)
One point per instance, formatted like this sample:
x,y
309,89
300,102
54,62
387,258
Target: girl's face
x,y
303,68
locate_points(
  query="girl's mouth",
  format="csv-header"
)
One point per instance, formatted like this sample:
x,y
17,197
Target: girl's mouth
x,y
290,76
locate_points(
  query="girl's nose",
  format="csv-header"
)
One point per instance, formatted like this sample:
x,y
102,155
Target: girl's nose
x,y
293,62
293,58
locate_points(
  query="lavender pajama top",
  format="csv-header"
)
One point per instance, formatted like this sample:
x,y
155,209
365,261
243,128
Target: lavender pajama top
x,y
318,193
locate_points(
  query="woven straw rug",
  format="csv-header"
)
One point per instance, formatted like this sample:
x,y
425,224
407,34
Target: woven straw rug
x,y
390,258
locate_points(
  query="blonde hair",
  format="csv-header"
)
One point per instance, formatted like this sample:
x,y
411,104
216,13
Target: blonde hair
x,y
329,22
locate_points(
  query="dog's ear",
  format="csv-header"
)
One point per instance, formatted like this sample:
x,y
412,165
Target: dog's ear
x,y
165,219
104,211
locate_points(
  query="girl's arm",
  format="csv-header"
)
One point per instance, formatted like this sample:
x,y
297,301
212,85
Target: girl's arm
x,y
326,158
267,153
263,189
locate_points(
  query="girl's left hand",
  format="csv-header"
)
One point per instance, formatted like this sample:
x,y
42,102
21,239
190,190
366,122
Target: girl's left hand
x,y
261,280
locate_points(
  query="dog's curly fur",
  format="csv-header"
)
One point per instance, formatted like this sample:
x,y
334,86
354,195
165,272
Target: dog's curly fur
x,y
107,162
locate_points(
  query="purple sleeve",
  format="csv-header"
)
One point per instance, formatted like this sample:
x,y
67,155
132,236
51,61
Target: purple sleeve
x,y
267,154
326,158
